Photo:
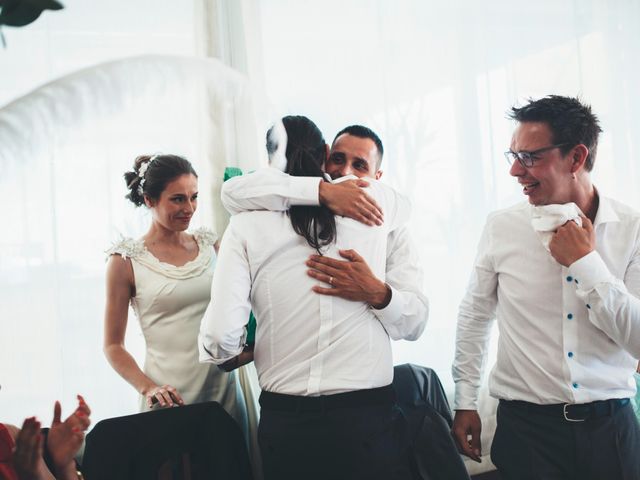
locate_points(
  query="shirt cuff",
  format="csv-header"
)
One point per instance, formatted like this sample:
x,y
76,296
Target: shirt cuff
x,y
216,354
466,397
589,271
206,356
393,311
305,191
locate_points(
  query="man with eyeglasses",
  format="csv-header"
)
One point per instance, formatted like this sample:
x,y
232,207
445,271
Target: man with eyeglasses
x,y
561,274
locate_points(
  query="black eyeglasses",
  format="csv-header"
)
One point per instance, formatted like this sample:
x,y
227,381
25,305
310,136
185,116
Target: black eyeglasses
x,y
526,159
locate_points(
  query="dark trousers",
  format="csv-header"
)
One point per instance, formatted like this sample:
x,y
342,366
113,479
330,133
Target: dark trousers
x,y
367,442
529,445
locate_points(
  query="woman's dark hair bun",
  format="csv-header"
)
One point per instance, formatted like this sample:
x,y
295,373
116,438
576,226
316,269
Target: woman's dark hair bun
x,y
151,174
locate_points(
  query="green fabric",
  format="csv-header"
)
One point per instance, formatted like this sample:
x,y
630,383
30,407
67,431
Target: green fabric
x,y
251,329
635,402
230,172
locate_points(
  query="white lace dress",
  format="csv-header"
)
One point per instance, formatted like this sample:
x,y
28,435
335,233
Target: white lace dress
x,y
169,303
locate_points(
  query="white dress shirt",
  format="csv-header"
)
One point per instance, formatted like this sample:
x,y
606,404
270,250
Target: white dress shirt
x,y
306,344
567,335
270,189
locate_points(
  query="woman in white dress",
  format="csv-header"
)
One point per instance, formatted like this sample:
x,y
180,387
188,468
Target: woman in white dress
x,y
166,277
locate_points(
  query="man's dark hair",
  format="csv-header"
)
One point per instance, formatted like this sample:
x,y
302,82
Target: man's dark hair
x,y
361,131
306,153
571,122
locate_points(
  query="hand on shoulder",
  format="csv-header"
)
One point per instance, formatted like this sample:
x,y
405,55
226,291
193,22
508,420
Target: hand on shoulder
x,y
348,199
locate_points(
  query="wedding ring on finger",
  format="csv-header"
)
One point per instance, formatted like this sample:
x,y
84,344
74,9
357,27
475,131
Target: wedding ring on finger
x,y
331,281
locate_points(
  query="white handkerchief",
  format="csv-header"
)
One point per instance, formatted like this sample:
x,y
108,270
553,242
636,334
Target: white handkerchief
x,y
545,219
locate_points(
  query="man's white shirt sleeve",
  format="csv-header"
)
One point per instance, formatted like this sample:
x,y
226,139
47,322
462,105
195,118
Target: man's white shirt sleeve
x,y
222,330
269,189
475,319
406,314
612,307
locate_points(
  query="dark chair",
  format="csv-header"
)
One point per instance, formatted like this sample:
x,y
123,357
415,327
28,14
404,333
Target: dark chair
x,y
192,442
422,401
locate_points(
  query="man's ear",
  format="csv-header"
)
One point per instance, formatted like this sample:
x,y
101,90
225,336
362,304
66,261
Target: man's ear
x,y
578,157
378,174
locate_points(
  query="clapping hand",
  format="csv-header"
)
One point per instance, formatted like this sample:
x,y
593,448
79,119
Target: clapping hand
x,y
27,457
65,438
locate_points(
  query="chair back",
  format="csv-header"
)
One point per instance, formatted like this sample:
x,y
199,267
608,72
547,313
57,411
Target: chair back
x,y
191,442
423,404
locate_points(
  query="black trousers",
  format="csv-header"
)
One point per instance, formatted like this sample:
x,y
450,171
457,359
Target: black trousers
x,y
534,446
367,442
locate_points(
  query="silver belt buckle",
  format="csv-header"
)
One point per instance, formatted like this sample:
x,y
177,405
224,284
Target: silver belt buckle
x,y
566,417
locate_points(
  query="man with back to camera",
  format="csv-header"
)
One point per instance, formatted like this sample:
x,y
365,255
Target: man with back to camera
x,y
324,363
562,276
398,301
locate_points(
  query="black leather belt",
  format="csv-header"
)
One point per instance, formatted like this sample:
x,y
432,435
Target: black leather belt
x,y
571,412
357,398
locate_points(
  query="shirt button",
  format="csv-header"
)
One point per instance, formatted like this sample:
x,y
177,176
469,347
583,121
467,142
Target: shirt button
x,y
569,278
570,356
570,316
588,306
575,385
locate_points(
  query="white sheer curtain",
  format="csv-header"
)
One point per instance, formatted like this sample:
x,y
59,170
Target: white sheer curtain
x,y
435,79
63,149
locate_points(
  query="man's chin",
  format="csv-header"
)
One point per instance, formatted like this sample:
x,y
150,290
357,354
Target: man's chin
x,y
533,198
537,203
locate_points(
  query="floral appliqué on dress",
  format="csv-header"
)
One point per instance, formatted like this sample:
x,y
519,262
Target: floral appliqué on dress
x,y
127,247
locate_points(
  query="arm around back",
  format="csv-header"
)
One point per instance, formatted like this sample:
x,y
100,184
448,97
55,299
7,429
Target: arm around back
x,y
268,189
